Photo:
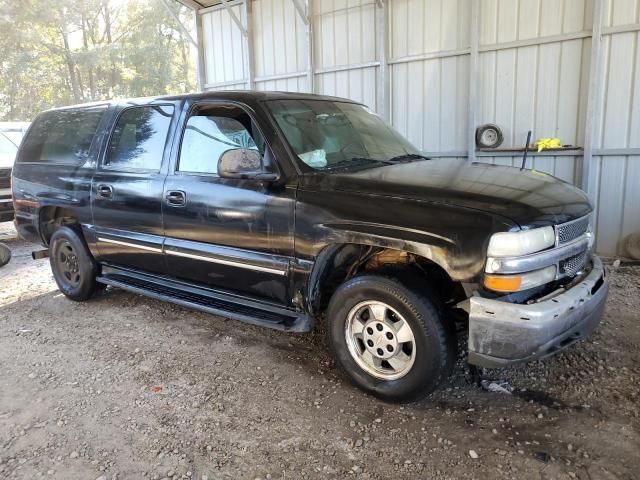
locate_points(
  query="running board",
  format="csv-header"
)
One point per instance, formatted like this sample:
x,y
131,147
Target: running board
x,y
205,300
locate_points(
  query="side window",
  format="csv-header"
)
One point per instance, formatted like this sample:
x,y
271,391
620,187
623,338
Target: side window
x,y
62,136
138,138
210,132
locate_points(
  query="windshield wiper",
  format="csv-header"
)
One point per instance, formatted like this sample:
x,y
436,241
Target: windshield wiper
x,y
356,162
362,161
408,157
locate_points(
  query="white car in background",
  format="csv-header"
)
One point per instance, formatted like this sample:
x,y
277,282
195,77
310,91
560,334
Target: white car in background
x,y
11,134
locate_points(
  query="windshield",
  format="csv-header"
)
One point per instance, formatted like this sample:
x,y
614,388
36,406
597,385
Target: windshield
x,y
328,135
8,149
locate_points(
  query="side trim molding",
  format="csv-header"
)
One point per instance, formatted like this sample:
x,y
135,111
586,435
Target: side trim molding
x,y
226,262
127,244
167,247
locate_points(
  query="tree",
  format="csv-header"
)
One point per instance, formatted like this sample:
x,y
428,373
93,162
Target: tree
x,y
64,52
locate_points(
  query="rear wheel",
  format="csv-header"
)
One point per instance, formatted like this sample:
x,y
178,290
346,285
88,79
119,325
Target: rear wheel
x,y
390,340
73,267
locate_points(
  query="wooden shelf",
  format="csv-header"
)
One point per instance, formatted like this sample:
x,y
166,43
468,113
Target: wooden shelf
x,y
530,149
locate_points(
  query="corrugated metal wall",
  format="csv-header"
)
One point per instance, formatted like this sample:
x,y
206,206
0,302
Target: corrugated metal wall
x,y
429,43
279,40
345,49
534,67
224,51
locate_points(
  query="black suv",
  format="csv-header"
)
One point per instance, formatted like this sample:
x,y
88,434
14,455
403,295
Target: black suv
x,y
283,209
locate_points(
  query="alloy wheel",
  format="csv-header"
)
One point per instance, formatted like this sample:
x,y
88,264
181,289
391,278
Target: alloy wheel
x,y
380,340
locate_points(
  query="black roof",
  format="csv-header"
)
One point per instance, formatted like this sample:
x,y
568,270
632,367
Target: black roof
x,y
237,95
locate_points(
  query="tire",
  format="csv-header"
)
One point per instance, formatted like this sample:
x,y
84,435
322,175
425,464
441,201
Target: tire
x,y
5,254
489,136
73,267
372,300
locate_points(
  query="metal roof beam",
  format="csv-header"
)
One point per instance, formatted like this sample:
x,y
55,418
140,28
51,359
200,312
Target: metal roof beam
x,y
182,28
234,17
192,4
301,11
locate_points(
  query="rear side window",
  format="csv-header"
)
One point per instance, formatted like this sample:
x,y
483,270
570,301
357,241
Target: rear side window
x,y
138,139
62,136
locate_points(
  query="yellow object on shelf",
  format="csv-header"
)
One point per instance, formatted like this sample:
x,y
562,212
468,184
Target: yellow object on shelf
x,y
544,143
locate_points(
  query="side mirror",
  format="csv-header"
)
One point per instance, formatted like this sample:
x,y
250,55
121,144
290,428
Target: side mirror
x,y
243,163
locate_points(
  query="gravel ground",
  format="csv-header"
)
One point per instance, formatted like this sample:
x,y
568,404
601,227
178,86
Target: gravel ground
x,y
127,387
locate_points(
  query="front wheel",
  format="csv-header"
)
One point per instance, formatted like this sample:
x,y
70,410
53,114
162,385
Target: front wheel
x,y
391,341
73,267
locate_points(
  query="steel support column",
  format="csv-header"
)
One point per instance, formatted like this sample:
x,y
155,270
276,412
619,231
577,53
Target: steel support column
x,y
383,94
590,176
201,68
474,63
306,15
249,62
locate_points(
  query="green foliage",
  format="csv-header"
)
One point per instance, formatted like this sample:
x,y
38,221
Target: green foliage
x,y
66,52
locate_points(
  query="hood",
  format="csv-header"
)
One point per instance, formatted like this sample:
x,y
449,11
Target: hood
x,y
526,197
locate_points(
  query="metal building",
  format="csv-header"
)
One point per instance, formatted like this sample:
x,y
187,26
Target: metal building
x,y
438,68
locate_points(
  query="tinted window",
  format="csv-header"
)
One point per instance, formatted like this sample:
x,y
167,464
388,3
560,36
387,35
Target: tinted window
x,y
62,136
212,131
139,137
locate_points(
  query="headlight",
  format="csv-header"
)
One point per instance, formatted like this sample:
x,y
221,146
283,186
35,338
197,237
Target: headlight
x,y
521,281
514,244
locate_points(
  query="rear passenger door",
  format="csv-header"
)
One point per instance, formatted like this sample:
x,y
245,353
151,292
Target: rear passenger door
x,y
126,190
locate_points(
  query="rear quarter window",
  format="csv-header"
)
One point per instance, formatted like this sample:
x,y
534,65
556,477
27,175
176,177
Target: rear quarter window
x,y
61,136
139,137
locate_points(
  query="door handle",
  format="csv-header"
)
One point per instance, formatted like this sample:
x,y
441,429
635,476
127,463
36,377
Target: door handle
x,y
105,191
176,198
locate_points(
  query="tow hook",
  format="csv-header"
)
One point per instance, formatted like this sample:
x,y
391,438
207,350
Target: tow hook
x,y
40,254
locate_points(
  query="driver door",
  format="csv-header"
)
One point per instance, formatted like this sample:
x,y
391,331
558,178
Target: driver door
x,y
234,235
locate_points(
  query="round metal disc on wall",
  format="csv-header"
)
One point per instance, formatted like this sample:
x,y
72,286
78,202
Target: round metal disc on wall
x,y
489,136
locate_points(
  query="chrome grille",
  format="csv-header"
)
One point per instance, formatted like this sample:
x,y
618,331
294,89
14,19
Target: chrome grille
x,y
569,231
573,265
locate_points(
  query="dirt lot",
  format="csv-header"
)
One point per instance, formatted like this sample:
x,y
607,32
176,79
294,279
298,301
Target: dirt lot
x,y
128,387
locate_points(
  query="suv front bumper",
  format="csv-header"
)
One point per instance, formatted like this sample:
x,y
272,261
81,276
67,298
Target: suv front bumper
x,y
503,334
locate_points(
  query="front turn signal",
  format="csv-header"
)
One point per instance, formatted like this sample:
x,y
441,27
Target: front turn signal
x,y
503,283
521,281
